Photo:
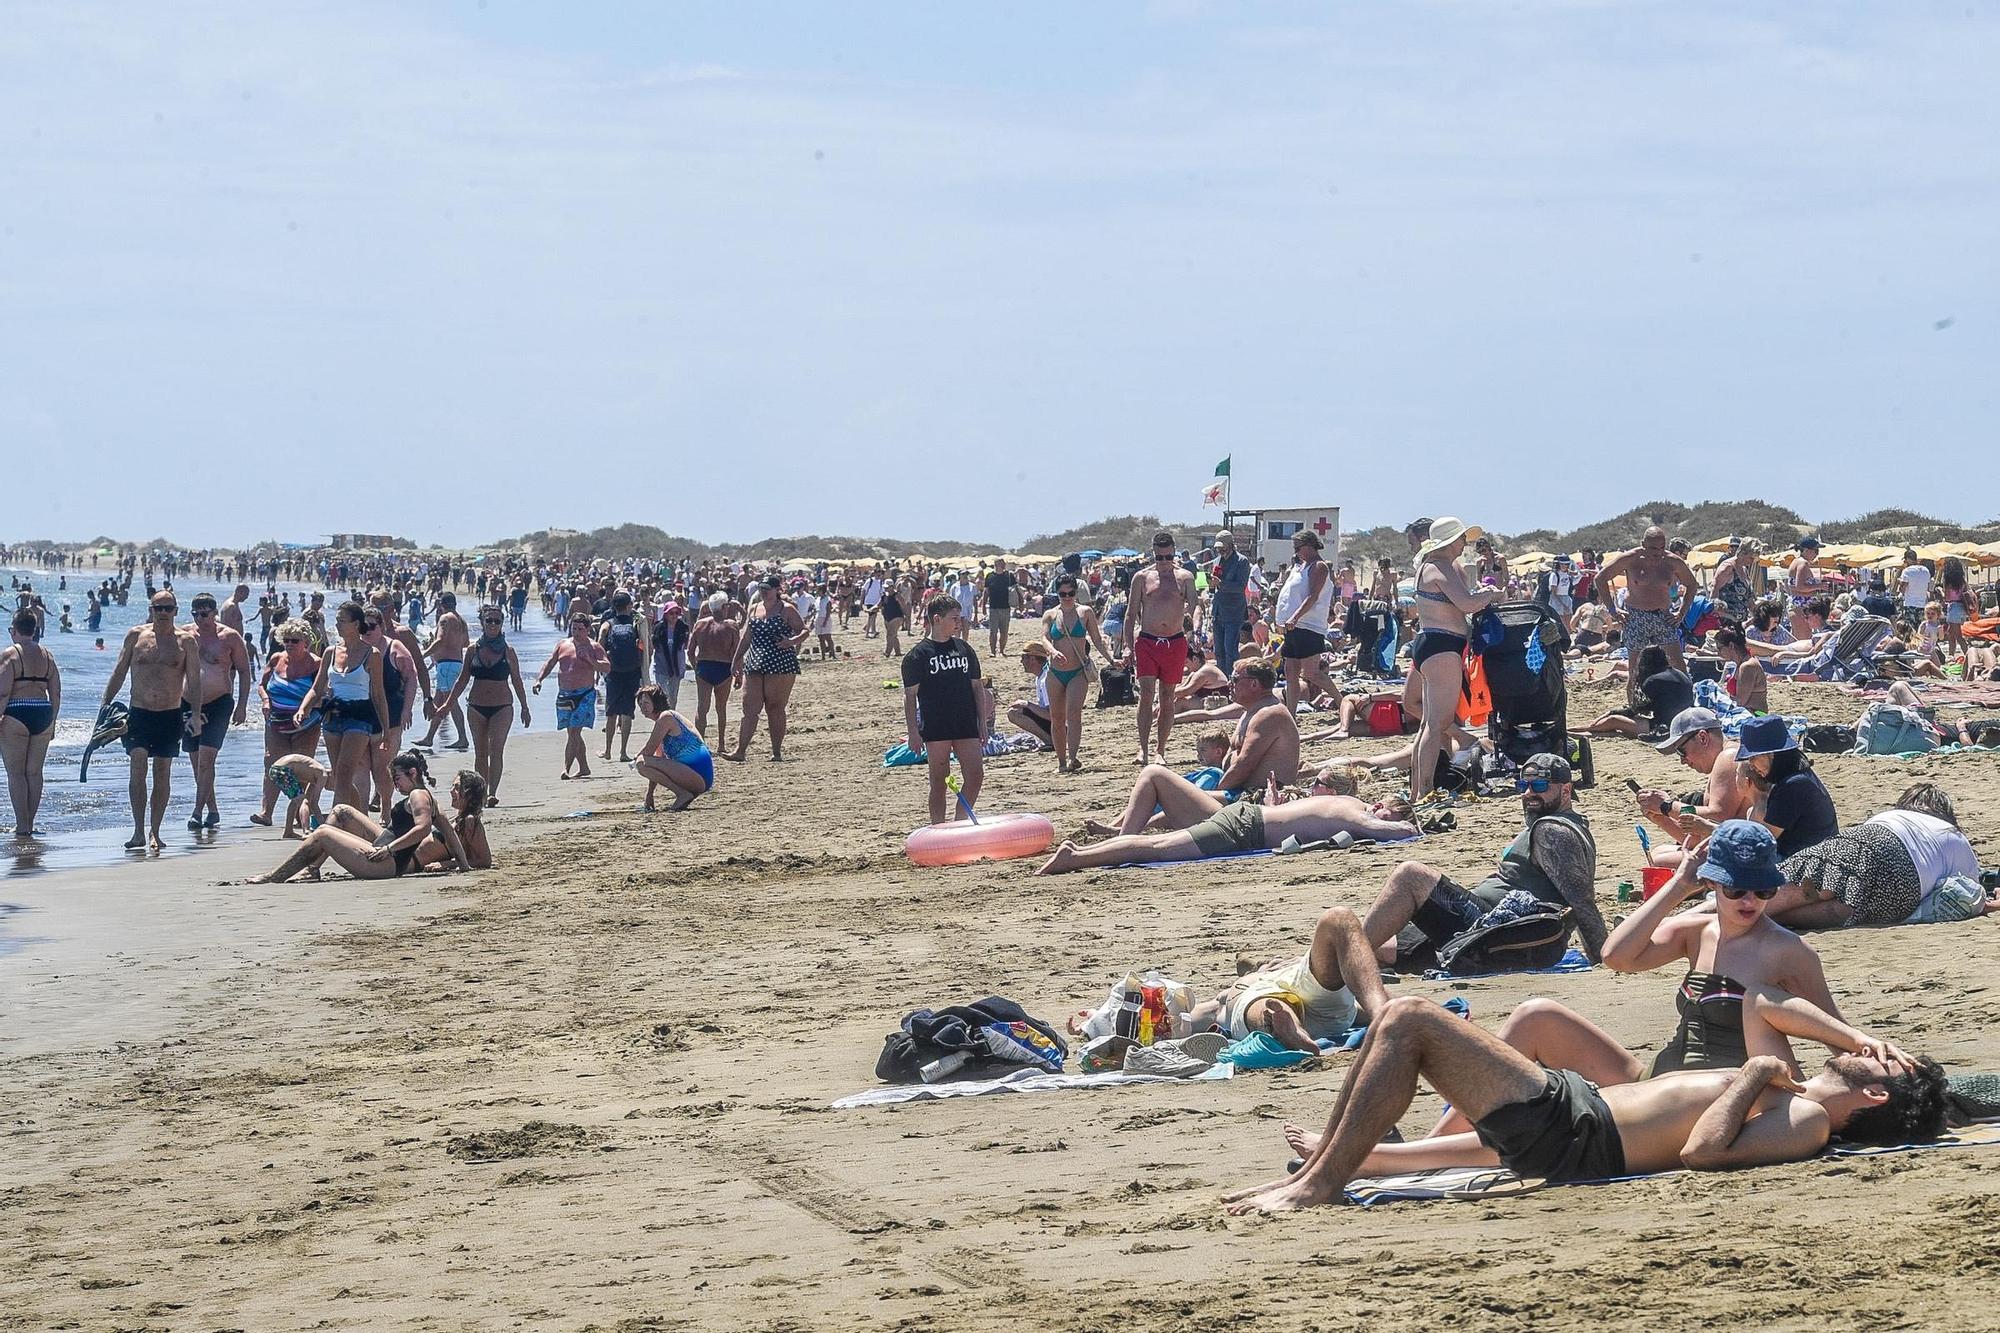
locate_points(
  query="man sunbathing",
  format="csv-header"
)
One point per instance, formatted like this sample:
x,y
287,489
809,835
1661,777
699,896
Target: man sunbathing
x,y
1266,749
1554,1125
1304,1000
1242,827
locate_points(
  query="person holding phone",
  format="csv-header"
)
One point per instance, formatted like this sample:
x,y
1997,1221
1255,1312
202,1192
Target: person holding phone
x,y
1696,738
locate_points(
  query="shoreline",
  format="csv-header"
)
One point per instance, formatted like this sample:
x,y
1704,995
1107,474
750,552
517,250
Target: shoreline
x,y
590,1090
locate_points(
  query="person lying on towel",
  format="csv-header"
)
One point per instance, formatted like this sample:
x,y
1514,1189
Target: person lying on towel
x,y
1555,1125
1241,827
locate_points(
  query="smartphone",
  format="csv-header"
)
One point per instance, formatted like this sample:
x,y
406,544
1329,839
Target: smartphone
x,y
1633,783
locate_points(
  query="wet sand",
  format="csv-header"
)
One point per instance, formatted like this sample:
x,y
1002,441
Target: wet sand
x,y
590,1089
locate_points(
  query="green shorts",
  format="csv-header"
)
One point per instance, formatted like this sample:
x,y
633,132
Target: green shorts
x,y
1233,828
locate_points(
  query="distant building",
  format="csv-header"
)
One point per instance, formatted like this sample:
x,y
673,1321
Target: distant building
x,y
365,541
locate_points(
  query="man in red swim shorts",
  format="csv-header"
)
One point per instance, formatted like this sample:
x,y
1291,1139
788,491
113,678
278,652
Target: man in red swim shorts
x,y
1156,619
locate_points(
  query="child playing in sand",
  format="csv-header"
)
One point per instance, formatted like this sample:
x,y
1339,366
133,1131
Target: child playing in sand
x,y
300,778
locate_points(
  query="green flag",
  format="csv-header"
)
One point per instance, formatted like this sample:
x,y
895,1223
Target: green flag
x,y
1222,468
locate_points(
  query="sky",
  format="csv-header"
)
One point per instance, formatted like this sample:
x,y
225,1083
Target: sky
x,y
460,270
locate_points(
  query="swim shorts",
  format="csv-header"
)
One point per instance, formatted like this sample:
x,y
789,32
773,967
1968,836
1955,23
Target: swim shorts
x,y
621,692
286,781
447,673
1563,1133
1233,828
214,724
1644,629
1300,643
577,708
1327,1014
713,673
1165,659
157,731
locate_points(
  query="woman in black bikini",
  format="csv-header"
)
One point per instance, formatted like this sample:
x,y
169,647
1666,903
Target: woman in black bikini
x,y
1444,601
31,686
895,613
468,803
490,666
367,850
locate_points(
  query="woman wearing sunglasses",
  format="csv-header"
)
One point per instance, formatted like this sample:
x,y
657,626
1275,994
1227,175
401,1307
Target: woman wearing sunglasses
x,y
490,667
288,677
1069,629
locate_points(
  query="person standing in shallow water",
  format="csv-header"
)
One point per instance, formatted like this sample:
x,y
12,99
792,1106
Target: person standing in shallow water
x,y
165,669
31,689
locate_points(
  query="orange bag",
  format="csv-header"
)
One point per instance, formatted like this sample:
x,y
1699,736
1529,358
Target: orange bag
x,y
1475,700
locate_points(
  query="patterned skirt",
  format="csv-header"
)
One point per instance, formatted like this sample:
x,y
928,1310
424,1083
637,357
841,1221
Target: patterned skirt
x,y
1865,866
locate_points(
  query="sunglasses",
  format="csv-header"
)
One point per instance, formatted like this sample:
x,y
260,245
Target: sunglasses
x,y
165,610
1322,782
1536,785
1763,895
489,620
1066,592
205,611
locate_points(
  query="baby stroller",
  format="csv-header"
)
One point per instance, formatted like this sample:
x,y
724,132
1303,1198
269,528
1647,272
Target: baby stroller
x,y
1522,650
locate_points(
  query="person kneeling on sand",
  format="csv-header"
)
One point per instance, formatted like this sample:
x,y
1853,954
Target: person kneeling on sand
x,y
1242,827
1555,1125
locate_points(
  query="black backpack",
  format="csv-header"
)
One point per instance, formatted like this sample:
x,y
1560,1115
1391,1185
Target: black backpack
x,y
1114,686
1828,738
1525,944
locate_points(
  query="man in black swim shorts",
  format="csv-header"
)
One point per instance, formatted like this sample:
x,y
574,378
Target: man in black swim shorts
x,y
165,669
1555,1126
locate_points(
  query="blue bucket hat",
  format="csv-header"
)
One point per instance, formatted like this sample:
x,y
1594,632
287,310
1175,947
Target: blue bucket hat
x,y
1764,735
1742,854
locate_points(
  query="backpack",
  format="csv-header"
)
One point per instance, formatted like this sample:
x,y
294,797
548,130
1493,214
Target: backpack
x,y
1828,738
1886,728
621,645
1523,944
1114,686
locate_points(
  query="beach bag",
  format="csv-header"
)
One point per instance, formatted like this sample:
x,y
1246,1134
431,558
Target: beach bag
x,y
1887,728
1523,944
1955,898
1475,702
1385,718
1828,738
1114,686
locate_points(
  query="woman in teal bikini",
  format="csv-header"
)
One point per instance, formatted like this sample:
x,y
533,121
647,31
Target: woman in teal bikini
x,y
1070,630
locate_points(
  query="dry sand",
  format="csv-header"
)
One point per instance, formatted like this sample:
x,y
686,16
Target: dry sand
x,y
590,1089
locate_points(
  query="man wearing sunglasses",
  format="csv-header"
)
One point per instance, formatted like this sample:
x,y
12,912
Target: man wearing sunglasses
x,y
223,660
1156,618
165,669
1554,857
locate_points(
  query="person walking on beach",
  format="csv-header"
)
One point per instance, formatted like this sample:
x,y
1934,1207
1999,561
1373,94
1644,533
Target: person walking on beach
x,y
288,675
1228,599
31,686
624,642
1305,616
224,661
491,666
446,651
767,667
165,669
577,662
1000,595
946,710
1156,616
712,645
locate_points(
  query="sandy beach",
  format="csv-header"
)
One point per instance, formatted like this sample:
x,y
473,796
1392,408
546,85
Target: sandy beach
x,y
590,1089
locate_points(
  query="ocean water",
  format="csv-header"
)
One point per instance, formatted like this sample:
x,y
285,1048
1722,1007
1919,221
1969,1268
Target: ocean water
x,y
87,823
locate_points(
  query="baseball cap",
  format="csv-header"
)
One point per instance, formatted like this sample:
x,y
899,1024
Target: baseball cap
x,y
1551,766
1808,541
1764,735
1688,722
1742,854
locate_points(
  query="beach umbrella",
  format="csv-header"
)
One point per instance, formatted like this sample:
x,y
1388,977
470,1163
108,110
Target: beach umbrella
x,y
1091,555
1529,561
1122,553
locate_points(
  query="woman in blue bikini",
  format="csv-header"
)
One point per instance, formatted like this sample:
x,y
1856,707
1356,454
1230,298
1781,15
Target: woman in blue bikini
x,y
1070,629
1444,601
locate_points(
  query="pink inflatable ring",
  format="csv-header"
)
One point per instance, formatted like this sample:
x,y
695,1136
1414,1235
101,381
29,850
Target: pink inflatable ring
x,y
993,838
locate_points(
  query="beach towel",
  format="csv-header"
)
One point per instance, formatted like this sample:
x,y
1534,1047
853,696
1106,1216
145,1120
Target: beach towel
x,y
1255,851
111,721
1497,1182
1575,960
1715,696
1022,1080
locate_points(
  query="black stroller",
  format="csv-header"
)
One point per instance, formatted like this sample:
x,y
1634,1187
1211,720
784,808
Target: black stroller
x,y
1524,675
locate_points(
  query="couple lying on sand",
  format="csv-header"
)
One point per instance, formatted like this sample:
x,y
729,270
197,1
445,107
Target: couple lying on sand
x,y
1552,1096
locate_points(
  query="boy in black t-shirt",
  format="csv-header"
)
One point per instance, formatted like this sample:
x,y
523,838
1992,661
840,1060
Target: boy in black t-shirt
x,y
941,682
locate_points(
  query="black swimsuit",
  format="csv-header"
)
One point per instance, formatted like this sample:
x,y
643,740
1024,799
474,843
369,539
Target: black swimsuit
x,y
490,671
401,821
1710,1035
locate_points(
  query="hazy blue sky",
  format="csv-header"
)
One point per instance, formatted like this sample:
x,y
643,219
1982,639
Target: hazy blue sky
x,y
458,270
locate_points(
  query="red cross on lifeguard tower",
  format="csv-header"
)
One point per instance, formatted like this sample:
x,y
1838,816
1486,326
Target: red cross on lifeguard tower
x,y
1321,526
